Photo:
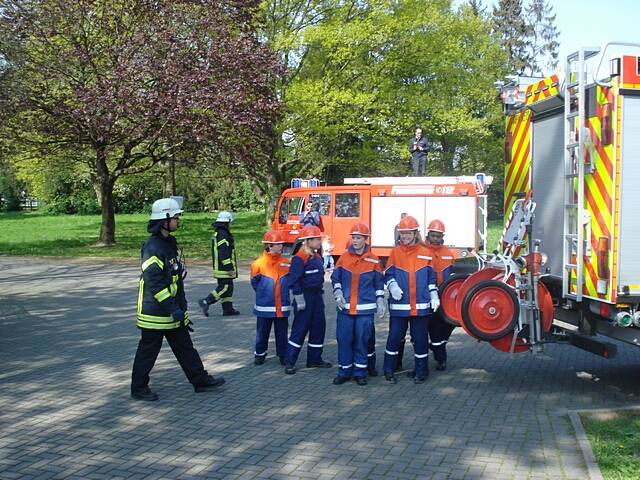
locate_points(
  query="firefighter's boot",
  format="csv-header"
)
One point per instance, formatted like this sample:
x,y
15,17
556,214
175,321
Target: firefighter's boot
x,y
204,303
227,309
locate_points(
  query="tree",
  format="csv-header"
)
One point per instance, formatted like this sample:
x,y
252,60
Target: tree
x,y
364,73
514,32
528,35
543,47
134,83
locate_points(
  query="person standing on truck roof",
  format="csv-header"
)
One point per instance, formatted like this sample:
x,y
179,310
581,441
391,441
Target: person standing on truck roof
x,y
311,215
162,306
414,295
269,279
306,277
225,269
442,263
418,147
358,288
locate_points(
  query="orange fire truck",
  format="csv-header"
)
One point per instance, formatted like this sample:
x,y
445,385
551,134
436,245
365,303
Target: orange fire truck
x,y
571,189
460,202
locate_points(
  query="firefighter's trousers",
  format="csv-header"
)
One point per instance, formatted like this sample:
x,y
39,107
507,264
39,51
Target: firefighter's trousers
x,y
149,347
263,330
223,292
310,320
353,333
419,333
439,333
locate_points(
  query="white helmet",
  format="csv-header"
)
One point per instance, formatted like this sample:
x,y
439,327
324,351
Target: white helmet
x,y
165,208
225,216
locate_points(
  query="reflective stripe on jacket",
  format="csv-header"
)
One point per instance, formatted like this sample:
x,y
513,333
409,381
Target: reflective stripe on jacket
x,y
410,267
269,279
360,279
306,273
160,287
442,262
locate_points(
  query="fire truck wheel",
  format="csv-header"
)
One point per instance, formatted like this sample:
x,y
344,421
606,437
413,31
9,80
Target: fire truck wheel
x,y
448,292
490,310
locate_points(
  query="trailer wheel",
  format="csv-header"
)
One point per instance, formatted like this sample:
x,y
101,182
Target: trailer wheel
x,y
448,292
471,281
490,310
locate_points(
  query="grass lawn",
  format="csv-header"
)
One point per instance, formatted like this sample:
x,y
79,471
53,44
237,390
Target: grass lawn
x,y
615,439
75,235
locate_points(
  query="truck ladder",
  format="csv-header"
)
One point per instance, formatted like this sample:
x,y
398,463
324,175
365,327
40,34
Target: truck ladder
x,y
575,135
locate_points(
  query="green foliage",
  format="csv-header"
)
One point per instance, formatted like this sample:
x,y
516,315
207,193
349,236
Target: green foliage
x,y
528,35
616,442
364,74
10,188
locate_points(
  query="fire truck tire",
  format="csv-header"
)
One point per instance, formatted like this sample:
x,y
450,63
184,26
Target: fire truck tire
x,y
490,310
448,292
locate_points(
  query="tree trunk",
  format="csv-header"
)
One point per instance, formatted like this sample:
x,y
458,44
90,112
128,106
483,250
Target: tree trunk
x,y
105,187
170,177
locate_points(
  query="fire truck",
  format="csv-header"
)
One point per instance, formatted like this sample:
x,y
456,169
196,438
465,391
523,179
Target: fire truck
x,y
460,202
572,172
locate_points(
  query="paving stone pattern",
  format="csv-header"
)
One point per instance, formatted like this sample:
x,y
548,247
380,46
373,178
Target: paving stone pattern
x,y
67,341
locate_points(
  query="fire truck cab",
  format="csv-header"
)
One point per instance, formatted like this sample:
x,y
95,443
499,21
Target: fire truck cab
x,y
460,202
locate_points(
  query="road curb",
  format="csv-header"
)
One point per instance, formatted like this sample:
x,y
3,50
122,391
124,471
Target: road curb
x,y
583,440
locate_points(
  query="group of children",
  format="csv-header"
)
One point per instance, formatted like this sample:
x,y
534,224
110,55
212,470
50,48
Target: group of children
x,y
413,273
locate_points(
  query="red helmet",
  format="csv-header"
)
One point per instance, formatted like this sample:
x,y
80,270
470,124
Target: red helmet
x,y
436,226
407,224
360,228
310,231
272,236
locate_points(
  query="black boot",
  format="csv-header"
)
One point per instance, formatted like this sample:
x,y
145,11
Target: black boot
x,y
319,364
204,303
227,309
209,384
259,360
144,394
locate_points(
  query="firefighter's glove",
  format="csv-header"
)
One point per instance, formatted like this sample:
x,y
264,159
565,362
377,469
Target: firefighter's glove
x,y
435,300
339,296
381,307
300,303
395,290
178,315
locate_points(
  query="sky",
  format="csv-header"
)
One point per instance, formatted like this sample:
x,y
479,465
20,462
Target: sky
x,y
588,23
591,23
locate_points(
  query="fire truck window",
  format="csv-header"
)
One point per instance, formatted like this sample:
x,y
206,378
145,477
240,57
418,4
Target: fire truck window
x,y
347,204
322,201
289,206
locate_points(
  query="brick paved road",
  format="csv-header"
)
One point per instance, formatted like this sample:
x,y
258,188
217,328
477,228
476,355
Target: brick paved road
x,y
67,340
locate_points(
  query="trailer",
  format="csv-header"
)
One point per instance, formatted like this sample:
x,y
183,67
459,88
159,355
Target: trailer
x,y
568,267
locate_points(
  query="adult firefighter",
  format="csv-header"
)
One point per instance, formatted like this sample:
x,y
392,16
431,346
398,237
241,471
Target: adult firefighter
x,y
269,280
223,256
162,306
306,277
442,264
358,288
414,295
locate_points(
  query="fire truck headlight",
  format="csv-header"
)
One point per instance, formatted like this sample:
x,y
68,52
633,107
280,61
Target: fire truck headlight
x,y
464,253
